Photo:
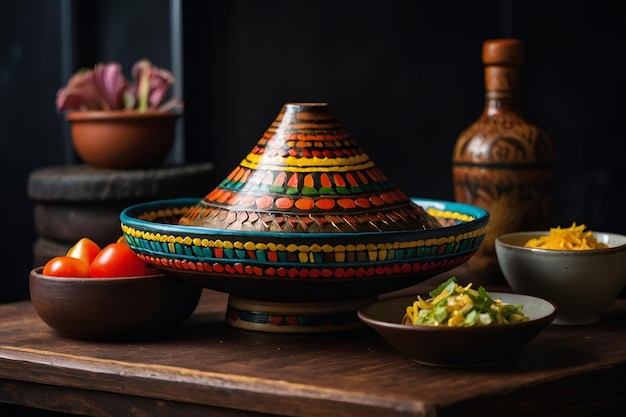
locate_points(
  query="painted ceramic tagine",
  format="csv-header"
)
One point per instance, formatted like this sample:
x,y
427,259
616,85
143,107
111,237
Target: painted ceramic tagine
x,y
305,230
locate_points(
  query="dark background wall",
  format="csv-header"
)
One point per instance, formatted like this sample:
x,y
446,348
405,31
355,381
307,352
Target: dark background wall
x,y
404,78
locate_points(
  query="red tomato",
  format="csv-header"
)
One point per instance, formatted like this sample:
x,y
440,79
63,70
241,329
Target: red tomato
x,y
66,266
85,249
117,260
150,270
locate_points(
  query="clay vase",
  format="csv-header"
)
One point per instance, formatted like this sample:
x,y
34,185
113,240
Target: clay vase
x,y
120,139
502,162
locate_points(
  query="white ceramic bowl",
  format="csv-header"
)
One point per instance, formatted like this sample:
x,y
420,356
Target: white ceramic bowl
x,y
581,283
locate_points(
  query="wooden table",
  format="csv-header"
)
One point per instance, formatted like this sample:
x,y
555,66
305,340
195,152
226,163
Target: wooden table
x,y
210,369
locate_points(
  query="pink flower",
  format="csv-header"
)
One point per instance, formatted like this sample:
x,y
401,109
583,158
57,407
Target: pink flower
x,y
105,88
153,83
81,93
111,84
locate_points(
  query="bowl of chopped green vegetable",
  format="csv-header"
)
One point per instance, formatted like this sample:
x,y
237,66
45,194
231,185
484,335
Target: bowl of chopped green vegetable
x,y
459,326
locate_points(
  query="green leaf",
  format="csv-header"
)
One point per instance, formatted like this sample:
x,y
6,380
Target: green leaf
x,y
471,318
449,284
441,312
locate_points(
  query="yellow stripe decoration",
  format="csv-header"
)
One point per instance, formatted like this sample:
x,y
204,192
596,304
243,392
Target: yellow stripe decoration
x,y
290,164
448,214
315,248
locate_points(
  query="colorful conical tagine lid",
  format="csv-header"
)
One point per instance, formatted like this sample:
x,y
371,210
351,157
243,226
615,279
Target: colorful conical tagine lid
x,y
306,174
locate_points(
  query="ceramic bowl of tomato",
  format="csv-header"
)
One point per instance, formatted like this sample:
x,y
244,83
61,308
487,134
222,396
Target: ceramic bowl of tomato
x,y
109,293
136,307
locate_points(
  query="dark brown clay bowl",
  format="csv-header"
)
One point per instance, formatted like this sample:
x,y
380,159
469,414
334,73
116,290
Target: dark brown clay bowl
x,y
112,308
458,346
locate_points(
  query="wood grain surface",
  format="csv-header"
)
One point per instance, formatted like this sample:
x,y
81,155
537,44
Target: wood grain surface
x,y
209,368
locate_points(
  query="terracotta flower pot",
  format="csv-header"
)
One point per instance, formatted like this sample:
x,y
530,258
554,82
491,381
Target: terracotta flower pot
x,y
119,139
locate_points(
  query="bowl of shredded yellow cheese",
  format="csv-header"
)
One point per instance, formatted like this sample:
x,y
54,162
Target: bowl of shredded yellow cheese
x,y
580,270
575,237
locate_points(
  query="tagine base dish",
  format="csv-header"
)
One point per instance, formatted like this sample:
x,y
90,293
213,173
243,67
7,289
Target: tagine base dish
x,y
310,277
282,317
